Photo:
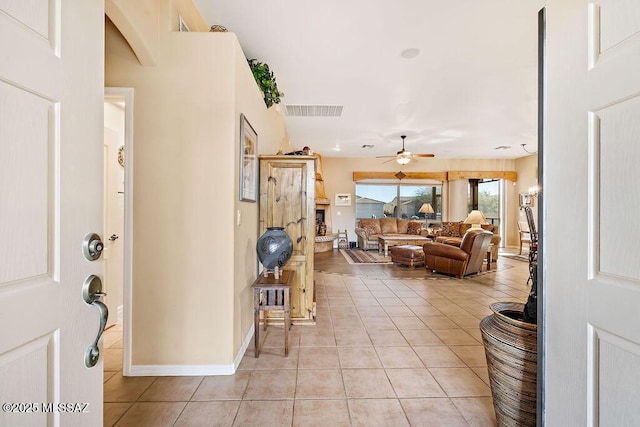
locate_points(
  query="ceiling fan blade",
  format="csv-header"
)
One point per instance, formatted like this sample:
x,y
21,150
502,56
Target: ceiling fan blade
x,y
423,155
385,157
390,160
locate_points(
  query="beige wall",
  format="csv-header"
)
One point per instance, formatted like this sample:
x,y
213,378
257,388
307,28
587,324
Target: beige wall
x,y
191,264
269,125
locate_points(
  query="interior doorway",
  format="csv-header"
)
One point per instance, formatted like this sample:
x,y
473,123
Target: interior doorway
x,y
118,214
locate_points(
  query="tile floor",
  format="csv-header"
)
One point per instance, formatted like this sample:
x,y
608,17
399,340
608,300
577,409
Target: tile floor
x,y
392,346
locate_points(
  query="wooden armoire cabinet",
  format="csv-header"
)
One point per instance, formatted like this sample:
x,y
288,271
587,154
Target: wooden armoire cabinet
x,y
287,199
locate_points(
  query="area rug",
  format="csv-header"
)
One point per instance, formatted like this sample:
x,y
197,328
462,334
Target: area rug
x,y
517,257
358,256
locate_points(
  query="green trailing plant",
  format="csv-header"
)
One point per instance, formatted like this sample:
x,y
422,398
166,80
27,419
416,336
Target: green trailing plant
x,y
266,82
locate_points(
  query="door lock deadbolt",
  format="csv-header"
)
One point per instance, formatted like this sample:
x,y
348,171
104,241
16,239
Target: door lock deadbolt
x,y
92,246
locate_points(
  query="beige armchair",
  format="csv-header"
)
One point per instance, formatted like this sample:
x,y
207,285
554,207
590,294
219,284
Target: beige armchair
x,y
459,261
524,235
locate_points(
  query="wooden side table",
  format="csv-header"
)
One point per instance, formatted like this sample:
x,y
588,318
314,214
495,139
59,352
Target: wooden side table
x,y
489,250
270,293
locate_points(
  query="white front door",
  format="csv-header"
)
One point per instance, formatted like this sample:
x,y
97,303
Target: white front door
x,y
51,94
591,255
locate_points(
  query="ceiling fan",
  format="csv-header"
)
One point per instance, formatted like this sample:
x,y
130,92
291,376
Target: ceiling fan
x,y
403,156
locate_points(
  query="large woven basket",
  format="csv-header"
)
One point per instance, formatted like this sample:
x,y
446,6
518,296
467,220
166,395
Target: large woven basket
x,y
511,349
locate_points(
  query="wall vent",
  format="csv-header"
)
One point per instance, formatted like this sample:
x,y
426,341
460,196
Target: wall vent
x,y
314,110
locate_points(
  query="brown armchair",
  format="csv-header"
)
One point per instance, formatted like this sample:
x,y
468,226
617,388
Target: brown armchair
x,y
459,261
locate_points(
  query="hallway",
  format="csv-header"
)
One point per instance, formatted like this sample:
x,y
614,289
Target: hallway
x,y
392,346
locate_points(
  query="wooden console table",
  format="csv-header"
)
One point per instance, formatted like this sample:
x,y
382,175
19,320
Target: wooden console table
x,y
270,293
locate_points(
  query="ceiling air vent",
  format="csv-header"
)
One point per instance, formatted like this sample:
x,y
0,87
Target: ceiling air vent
x,y
314,110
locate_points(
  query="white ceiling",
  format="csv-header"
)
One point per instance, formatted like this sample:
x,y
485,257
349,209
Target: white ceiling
x,y
472,88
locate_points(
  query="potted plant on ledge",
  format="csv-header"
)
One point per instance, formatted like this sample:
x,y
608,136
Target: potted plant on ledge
x,y
510,341
266,82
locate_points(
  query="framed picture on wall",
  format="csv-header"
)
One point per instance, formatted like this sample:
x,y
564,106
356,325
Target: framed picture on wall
x,y
248,161
343,199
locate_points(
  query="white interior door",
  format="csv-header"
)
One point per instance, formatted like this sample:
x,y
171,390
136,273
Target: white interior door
x,y
114,139
51,94
613,281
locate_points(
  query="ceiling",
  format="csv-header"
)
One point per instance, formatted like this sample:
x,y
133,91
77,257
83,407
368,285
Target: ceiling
x,y
471,88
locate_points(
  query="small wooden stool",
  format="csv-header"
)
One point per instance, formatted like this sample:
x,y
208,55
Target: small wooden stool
x,y
343,239
270,293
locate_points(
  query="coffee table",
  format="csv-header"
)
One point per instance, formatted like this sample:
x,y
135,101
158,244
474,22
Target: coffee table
x,y
385,241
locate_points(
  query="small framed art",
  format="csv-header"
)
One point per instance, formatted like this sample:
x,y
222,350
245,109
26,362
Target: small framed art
x,y
343,199
248,161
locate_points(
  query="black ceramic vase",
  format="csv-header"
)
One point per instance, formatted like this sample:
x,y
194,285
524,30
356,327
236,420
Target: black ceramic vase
x,y
274,248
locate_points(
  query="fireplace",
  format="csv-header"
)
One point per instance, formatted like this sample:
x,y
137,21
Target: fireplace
x,y
324,238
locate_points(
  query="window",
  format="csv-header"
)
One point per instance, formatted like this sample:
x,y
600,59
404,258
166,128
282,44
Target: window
x,y
489,200
398,201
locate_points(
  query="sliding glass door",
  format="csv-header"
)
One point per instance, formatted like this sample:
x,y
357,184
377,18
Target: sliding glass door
x,y
489,200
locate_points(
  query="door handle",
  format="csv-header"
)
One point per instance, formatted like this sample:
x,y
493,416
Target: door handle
x,y
91,293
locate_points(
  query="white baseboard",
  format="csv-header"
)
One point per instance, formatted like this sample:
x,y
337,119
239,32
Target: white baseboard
x,y
193,370
243,348
180,370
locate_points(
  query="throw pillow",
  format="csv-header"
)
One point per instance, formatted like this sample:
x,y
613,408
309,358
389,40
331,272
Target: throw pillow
x,y
372,226
451,229
414,227
388,226
402,225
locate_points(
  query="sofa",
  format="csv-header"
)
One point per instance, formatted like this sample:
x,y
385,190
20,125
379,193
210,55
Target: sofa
x,y
451,233
369,229
458,261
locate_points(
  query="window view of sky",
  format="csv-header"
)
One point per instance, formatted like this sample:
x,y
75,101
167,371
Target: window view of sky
x,y
385,193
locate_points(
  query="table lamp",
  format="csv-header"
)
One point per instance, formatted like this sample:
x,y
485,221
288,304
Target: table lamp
x,y
475,218
426,209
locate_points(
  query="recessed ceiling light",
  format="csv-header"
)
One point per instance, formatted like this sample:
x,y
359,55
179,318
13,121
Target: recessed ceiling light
x,y
367,146
502,147
412,52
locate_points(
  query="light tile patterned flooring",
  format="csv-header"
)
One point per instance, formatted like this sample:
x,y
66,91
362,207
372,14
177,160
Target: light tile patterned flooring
x,y
388,349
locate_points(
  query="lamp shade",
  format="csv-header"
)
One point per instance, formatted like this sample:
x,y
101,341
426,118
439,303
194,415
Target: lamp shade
x,y
426,208
476,217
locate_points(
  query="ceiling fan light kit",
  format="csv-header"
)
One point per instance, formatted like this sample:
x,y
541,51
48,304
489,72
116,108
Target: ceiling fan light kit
x,y
403,156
